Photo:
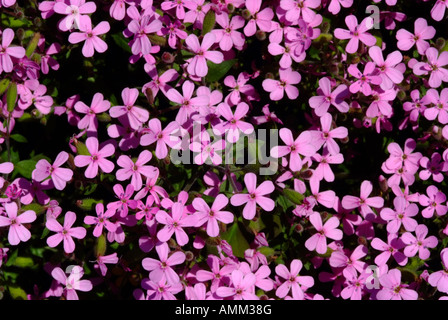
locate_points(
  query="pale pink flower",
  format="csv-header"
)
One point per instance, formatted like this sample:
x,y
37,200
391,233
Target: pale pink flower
x,y
439,279
261,18
419,243
407,40
242,287
151,188
391,248
365,79
294,282
101,220
439,109
355,284
73,282
434,67
277,88
207,152
7,51
433,202
338,259
74,11
234,124
163,138
318,241
438,11
356,33
211,216
364,202
135,114
228,37
102,260
198,64
92,41
402,215
136,169
393,289
59,176
326,98
17,231
434,167
124,201
141,28
65,233
328,134
389,74
300,8
96,159
90,120
335,5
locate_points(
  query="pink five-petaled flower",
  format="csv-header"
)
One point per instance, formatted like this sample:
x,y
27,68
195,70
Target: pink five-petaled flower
x,y
326,98
403,158
162,137
17,231
136,115
329,230
135,169
299,8
102,260
391,248
74,11
294,281
124,201
90,36
254,196
59,176
433,201
140,44
400,216
439,109
277,88
90,121
65,233
393,289
302,145
338,259
228,37
438,11
365,79
243,287
335,5
101,220
206,151
262,19
328,134
234,124
198,64
433,66
162,269
212,215
387,68
406,40
363,202
73,282
439,279
6,51
175,223
356,33
97,158
420,243
434,167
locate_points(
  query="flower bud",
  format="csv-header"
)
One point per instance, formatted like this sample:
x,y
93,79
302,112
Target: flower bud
x,y
355,60
269,75
37,22
383,183
440,43
401,95
298,228
260,35
246,14
362,240
167,58
325,27
230,7
307,174
20,34
189,256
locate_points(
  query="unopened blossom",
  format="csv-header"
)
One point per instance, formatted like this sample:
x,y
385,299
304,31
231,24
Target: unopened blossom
x,y
65,233
17,231
90,36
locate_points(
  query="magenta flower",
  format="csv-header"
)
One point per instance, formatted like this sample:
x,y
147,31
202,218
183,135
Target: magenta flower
x,y
294,282
207,152
59,176
403,158
6,51
102,260
65,233
335,5
256,195
329,230
440,108
124,201
417,106
242,287
338,259
234,124
326,98
277,88
175,223
363,202
218,273
173,30
135,114
96,159
433,202
439,279
393,289
261,18
135,169
90,121
92,41
178,4
46,61
101,220
163,137
355,284
434,67
161,269
300,8
400,216
141,27
323,169
34,94
211,216
365,79
228,37
438,11
17,231
328,134
151,188
387,68
198,64
419,243
73,282
407,40
434,167
391,248
74,10
356,33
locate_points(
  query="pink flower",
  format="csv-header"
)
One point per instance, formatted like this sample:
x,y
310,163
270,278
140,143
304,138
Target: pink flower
x,y
198,64
97,158
434,67
207,152
365,79
178,4
328,134
393,289
124,201
118,9
303,145
92,41
387,68
72,283
329,230
339,260
434,167
242,287
440,108
433,202
400,216
299,8
261,18
403,158
135,169
228,37
101,220
335,5
355,284
439,279
75,11
159,82
293,281
256,195
17,231
420,243
90,121
6,51
363,202
407,40
212,215
158,291
34,94
162,269
391,248
356,33
65,233
438,11
151,188
218,273
326,98
136,115
102,260
277,88
162,137
59,176
234,124
174,30
323,169
175,223
417,105
198,10
141,27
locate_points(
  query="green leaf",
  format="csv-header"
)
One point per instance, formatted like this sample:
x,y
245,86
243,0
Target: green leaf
x,y
11,96
121,41
293,196
236,239
17,293
24,262
268,252
209,22
32,45
157,40
19,138
26,167
45,233
12,257
81,148
4,84
101,246
37,208
217,71
88,204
